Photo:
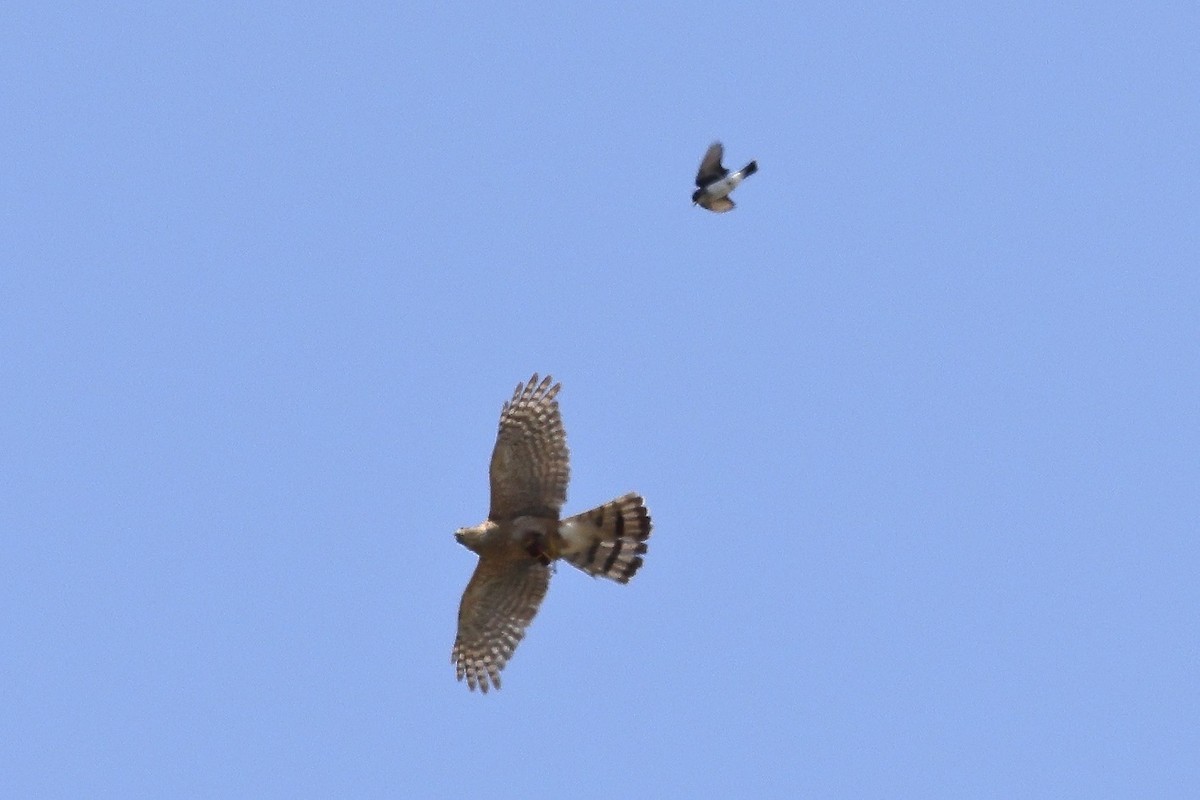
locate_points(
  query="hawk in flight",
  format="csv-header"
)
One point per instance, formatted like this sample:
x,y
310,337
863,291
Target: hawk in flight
x,y
716,182
523,535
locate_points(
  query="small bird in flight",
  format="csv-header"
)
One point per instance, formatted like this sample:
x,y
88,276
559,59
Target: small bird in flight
x,y
716,182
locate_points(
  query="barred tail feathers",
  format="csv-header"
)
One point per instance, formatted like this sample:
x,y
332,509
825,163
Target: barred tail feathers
x,y
610,540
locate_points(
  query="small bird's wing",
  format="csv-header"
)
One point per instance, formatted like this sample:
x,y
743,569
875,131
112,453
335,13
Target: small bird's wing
x,y
710,166
530,463
717,204
500,601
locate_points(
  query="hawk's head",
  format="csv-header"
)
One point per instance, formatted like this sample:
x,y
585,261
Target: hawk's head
x,y
474,538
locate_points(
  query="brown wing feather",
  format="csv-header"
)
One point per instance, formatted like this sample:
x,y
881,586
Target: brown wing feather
x,y
500,601
710,165
717,204
530,463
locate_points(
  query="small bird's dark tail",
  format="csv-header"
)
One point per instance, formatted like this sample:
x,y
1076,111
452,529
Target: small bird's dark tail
x,y
750,169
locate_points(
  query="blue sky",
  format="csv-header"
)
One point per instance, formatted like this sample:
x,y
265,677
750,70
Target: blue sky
x,y
917,422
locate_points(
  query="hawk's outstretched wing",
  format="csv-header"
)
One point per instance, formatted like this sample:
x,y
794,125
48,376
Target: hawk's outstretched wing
x,y
710,166
500,601
530,463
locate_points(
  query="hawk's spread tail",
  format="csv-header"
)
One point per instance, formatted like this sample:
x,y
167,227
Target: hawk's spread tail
x,y
608,541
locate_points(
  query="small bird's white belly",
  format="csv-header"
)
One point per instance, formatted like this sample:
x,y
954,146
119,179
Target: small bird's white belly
x,y
725,185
